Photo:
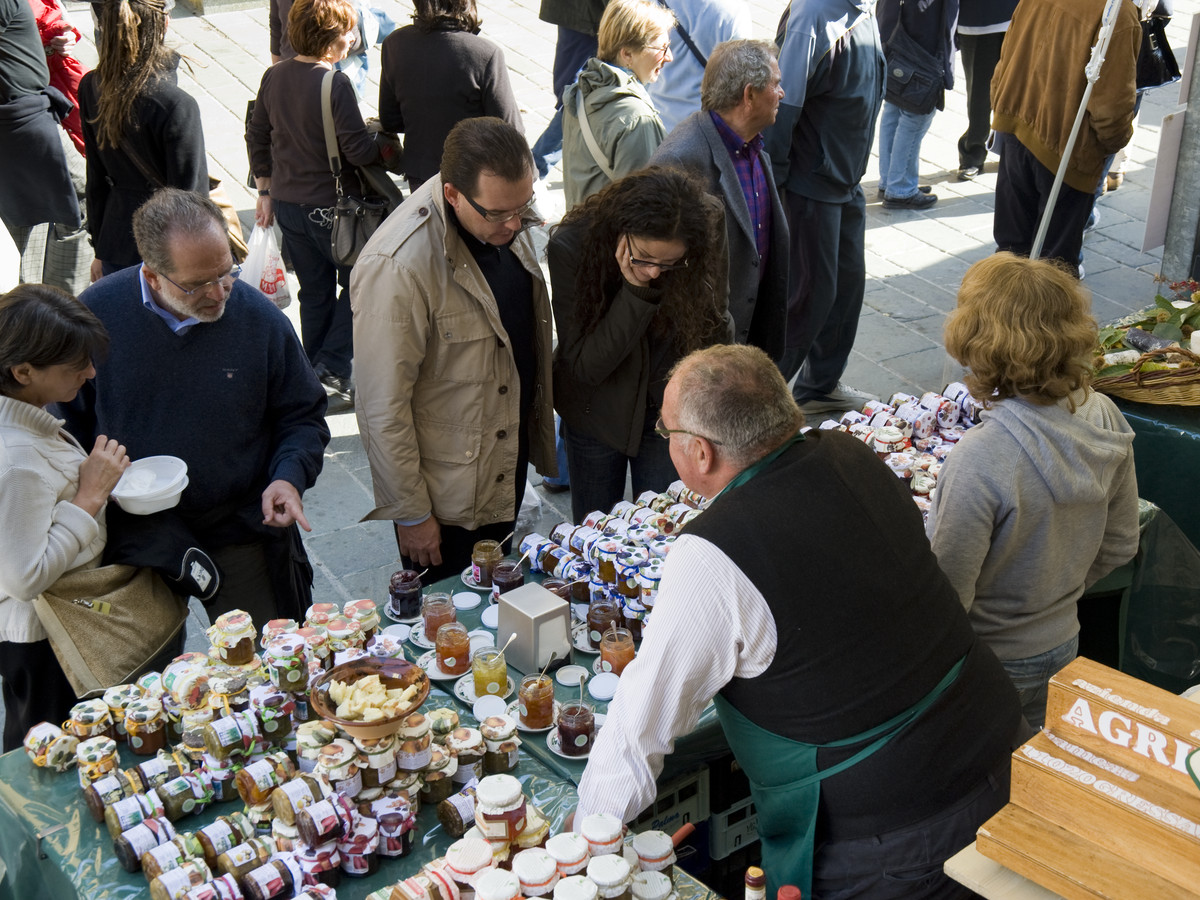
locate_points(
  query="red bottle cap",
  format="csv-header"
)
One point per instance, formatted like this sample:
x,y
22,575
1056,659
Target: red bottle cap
x,y
789,892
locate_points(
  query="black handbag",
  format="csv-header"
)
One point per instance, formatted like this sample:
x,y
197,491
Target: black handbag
x,y
355,219
914,75
1156,63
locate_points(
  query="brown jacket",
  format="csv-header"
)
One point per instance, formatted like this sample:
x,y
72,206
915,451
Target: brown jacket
x,y
437,390
1040,79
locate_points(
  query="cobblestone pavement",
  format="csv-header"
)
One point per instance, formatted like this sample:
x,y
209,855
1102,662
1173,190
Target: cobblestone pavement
x,y
914,259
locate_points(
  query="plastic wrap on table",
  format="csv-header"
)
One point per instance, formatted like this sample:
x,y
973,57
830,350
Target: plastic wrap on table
x,y
1162,621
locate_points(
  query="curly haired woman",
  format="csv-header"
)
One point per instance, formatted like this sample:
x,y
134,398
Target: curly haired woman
x,y
1039,501
638,273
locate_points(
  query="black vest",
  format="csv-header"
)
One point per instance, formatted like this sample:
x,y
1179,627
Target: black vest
x,y
866,625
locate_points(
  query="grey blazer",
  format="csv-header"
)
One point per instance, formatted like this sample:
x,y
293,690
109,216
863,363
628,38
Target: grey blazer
x,y
758,306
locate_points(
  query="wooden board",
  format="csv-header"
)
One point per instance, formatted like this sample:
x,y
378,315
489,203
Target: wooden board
x,y
1133,723
1067,864
1121,811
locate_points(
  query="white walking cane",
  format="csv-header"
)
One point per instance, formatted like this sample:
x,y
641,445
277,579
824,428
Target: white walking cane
x,y
1092,71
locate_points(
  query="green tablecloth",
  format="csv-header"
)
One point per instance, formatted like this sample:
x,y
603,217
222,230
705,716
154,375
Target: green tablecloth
x,y
80,862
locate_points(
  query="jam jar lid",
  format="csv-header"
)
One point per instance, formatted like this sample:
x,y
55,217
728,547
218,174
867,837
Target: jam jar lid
x,y
609,871
285,646
314,635
321,611
144,709
414,725
443,720
275,627
150,684
466,740
601,827
227,682
440,761
498,728
653,844
385,646
230,628
534,866
362,611
340,628
568,847
651,886
89,712
497,884
575,887
466,857
95,749
499,792
338,753
118,697
312,735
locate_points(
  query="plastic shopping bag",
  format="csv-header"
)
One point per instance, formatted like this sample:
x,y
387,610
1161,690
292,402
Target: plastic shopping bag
x,y
263,267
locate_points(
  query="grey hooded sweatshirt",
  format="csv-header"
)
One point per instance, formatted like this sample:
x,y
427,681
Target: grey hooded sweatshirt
x,y
1034,505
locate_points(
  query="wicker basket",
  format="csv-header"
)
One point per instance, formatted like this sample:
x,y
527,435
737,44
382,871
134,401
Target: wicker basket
x,y
1173,387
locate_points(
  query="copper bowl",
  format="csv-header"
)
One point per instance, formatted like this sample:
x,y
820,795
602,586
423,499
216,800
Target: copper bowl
x,y
393,673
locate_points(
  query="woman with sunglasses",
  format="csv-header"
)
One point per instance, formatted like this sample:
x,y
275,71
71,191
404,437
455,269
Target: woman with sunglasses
x,y
610,125
639,280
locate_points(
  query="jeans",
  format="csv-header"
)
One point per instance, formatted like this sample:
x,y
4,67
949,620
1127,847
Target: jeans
x,y
325,323
1031,678
900,135
598,471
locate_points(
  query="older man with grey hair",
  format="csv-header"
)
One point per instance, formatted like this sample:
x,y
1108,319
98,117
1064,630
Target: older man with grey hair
x,y
722,145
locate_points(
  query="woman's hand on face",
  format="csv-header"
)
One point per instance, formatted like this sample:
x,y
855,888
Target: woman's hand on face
x,y
99,474
264,212
631,273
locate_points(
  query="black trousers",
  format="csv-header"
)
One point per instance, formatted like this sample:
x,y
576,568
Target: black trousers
x,y
825,288
980,53
35,689
1022,190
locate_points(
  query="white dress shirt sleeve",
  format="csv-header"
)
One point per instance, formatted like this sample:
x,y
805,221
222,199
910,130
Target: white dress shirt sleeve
x,y
710,624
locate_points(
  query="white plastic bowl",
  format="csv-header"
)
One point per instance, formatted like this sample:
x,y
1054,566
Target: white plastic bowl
x,y
151,478
144,506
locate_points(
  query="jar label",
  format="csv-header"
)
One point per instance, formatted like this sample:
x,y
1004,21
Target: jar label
x,y
188,805
594,635
606,665
142,839
355,862
464,804
135,741
129,812
241,854
492,829
297,793
451,662
270,725
581,740
221,836
351,786
493,687
262,773
524,712
153,768
106,786
267,879
227,731
166,856
176,882
386,773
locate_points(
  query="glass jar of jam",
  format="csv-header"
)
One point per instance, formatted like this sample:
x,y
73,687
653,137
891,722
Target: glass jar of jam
x,y
397,825
271,879
404,594
537,872
325,821
453,647
468,748
96,757
338,761
129,811
232,637
603,832
655,851
344,634
484,557
558,587
499,808
259,779
286,659
47,745
174,883
633,614
358,847
506,575
490,671
437,782
612,875
239,860
90,718
297,793
437,609
222,834
105,791
171,855
321,613
501,743
116,699
286,837
231,736
365,614
320,865
228,693
141,838
274,628
153,773
603,614
317,639
145,726
274,711
185,794
536,702
310,738
616,650
570,851
380,757
576,728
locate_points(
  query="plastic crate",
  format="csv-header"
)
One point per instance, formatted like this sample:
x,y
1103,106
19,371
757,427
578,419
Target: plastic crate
x,y
683,800
731,829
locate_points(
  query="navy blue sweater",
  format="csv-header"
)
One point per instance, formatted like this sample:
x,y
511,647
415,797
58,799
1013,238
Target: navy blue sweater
x,y
236,399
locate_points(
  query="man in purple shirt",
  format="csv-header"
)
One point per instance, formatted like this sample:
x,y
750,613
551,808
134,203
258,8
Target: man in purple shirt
x,y
721,144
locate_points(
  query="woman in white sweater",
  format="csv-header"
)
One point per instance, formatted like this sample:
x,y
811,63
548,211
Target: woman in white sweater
x,y
52,491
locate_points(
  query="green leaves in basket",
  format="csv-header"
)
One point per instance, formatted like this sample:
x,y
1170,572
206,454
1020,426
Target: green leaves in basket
x,y
1112,371
1168,331
1110,337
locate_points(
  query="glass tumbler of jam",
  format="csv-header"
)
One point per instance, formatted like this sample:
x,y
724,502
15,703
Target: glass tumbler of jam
x,y
576,728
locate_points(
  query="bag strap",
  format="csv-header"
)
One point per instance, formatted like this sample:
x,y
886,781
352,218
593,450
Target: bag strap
x,y
144,167
331,146
590,139
687,38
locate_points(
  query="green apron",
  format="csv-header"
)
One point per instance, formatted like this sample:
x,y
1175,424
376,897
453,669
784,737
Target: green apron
x,y
786,784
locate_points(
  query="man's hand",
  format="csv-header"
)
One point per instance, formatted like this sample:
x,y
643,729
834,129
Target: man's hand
x,y
421,543
281,506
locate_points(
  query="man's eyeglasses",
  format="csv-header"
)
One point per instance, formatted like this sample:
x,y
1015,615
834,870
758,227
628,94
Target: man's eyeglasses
x,y
649,263
225,281
527,214
665,433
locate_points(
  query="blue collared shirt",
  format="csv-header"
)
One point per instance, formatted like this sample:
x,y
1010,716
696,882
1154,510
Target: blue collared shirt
x,y
747,162
173,323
